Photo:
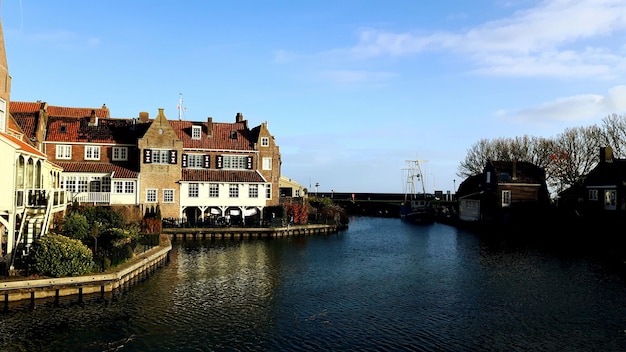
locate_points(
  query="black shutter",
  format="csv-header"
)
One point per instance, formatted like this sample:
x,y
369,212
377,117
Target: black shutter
x,y
147,156
249,163
173,157
207,161
183,160
219,162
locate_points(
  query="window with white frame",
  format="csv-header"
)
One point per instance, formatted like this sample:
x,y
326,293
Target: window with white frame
x,y
214,190
253,191
268,191
233,191
64,151
506,198
120,153
195,160
92,152
168,196
69,183
593,194
235,162
160,156
196,132
129,187
297,193
106,184
118,187
151,195
267,163
82,183
265,141
194,190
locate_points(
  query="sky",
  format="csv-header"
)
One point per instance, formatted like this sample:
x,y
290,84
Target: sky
x,y
350,89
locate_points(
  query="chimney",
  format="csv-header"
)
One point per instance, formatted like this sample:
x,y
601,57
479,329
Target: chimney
x,y
606,155
209,128
144,116
239,117
93,119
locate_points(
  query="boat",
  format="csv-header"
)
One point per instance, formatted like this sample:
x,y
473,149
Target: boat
x,y
417,207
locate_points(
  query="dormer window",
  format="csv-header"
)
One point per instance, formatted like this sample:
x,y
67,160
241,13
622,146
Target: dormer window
x,y
233,134
63,129
196,132
265,142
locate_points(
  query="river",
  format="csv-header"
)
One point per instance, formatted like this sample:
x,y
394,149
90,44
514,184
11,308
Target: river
x,y
381,285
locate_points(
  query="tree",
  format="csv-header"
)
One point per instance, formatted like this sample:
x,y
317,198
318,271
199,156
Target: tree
x,y
75,226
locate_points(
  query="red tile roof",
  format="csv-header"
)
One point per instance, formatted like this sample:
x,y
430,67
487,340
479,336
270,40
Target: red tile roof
x,y
109,130
21,145
25,107
60,111
221,138
118,171
221,176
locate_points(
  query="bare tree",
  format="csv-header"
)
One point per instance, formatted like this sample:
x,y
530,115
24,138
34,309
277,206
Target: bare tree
x,y
614,134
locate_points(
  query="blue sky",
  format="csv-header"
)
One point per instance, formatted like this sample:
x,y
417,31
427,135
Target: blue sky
x,y
350,89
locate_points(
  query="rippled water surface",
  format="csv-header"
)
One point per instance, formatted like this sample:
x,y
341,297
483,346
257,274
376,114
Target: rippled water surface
x,y
382,285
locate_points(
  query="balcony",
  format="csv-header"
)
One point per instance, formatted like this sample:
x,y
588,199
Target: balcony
x,y
92,197
39,198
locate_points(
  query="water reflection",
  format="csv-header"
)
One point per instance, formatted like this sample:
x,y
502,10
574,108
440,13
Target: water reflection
x,y
383,285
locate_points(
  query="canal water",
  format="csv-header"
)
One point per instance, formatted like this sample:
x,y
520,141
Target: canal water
x,y
381,285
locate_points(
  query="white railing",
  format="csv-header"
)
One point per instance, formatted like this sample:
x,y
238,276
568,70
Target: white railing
x,y
92,197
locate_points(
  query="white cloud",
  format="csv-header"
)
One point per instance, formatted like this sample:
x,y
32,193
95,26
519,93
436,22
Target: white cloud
x,y
576,108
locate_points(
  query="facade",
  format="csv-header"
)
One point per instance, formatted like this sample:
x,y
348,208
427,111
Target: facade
x,y
601,193
290,188
504,192
191,170
30,194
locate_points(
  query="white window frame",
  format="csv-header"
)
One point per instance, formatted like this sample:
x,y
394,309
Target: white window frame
x,y
194,190
168,195
196,132
253,191
195,161
129,187
160,156
593,194
119,154
64,151
267,163
265,141
268,191
152,195
118,187
214,190
506,198
92,152
236,162
233,190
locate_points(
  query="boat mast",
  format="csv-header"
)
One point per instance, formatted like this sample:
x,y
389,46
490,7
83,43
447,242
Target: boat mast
x,y
415,171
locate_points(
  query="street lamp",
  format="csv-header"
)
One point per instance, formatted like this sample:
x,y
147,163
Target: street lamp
x,y
317,184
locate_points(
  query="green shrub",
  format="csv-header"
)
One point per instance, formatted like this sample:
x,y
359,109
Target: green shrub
x,y
75,226
58,256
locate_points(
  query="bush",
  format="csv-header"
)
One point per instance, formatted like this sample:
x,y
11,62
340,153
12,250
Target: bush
x,y
75,226
58,256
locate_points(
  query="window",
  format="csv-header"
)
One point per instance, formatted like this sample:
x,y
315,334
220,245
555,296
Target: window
x,y
70,184
506,198
504,176
129,187
195,160
120,153
267,163
193,190
268,191
253,191
151,195
160,156
92,152
168,196
106,184
233,191
265,141
297,193
610,197
235,162
64,151
214,190
593,194
196,132
118,187
82,184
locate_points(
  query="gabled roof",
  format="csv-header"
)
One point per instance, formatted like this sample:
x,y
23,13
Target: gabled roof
x,y
607,173
119,171
23,146
107,130
221,138
221,176
62,111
